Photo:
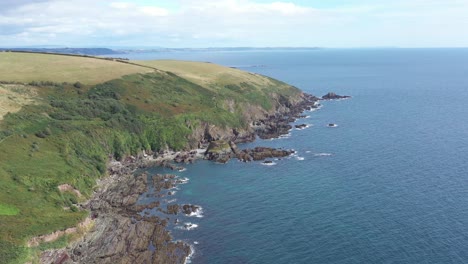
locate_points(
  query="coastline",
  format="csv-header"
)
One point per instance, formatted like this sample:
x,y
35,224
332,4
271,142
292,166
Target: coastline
x,y
121,232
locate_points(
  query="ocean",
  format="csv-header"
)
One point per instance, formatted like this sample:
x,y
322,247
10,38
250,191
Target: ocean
x,y
388,185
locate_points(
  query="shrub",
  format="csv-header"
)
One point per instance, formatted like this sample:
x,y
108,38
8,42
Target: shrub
x,y
78,85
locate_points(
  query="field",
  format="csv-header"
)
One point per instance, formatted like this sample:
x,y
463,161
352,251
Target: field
x,y
27,67
208,74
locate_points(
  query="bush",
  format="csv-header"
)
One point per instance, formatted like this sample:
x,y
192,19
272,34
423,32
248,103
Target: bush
x,y
40,134
78,85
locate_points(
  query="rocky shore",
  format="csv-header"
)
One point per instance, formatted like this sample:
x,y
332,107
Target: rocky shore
x,y
125,231
122,233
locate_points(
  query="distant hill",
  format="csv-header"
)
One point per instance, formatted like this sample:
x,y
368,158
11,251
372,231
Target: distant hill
x,y
77,51
228,49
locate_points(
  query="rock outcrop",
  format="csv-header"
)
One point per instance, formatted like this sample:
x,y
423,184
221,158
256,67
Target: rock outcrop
x,y
222,152
334,96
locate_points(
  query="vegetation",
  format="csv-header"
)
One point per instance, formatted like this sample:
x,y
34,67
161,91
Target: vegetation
x,y
6,209
72,120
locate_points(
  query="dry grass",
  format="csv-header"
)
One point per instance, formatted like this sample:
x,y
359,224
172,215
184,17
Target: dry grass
x,y
13,97
27,67
208,74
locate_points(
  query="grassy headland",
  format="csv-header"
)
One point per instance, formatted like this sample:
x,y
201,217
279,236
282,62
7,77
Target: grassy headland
x,y
62,117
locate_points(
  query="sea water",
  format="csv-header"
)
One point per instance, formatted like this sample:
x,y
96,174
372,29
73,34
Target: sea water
x,y
388,185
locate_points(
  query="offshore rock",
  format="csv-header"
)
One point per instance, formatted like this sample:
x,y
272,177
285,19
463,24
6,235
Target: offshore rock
x,y
222,151
334,96
262,153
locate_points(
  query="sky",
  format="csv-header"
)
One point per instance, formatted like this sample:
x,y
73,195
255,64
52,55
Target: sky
x,y
234,23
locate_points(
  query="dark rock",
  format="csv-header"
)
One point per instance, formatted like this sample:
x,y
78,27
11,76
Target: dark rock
x,y
301,126
189,208
172,209
261,153
220,151
334,96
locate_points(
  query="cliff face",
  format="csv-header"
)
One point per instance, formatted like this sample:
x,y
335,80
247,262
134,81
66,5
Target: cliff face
x,y
259,121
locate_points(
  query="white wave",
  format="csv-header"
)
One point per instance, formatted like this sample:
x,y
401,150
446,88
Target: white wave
x,y
198,213
187,226
322,154
268,164
332,125
188,259
288,135
182,169
196,242
300,158
183,180
171,201
318,107
302,128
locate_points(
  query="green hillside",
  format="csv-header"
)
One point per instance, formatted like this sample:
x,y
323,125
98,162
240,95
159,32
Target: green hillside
x,y
61,117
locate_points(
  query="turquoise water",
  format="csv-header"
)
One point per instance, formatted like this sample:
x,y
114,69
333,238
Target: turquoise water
x,y
391,189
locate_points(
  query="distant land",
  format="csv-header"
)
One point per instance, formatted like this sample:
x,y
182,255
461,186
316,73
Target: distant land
x,y
76,51
114,51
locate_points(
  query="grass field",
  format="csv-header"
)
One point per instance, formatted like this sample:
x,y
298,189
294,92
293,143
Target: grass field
x,y
208,74
27,67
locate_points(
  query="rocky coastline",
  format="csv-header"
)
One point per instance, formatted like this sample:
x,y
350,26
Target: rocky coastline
x,y
122,232
125,232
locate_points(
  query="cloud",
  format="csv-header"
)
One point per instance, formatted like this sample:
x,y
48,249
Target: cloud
x,y
232,23
12,4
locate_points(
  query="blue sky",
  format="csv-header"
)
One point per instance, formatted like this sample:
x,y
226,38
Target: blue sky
x,y
230,23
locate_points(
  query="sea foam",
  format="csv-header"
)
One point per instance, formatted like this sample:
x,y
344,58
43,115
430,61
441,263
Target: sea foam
x,y
322,154
198,213
187,226
268,164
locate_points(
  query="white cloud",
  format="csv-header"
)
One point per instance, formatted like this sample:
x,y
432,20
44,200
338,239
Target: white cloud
x,y
234,23
121,5
154,11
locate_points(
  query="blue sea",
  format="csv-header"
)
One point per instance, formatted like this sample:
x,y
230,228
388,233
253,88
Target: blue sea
x,y
388,185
